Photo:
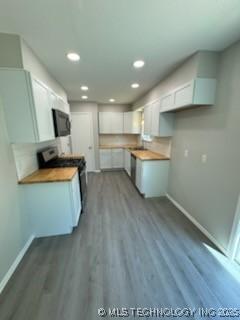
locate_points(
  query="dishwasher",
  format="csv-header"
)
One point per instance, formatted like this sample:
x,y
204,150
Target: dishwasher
x,y
133,169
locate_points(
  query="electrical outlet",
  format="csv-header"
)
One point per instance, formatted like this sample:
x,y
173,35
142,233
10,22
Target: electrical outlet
x,y
204,158
186,153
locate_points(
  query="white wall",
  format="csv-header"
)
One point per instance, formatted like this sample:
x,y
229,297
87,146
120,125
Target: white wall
x,y
10,53
209,192
32,63
14,224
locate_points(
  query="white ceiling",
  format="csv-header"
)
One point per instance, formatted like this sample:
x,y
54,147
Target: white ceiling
x,y
110,34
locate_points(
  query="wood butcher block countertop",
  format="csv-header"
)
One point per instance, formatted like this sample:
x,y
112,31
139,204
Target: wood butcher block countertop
x,y
50,175
145,155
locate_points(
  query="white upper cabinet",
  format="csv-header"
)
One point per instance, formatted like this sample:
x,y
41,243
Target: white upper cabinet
x,y
157,124
167,101
110,122
132,122
200,91
148,120
120,122
105,122
28,105
155,110
117,122
42,102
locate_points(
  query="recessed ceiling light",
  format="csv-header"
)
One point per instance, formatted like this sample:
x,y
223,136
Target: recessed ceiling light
x,y
84,97
138,64
84,88
135,85
111,100
73,56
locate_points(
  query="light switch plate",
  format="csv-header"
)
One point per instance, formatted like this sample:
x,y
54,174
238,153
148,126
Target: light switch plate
x,y
186,153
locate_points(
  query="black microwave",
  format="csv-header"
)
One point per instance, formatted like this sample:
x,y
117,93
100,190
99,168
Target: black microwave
x,y
62,124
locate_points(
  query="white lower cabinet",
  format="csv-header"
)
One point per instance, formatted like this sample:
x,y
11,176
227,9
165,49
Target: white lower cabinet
x,y
111,158
52,208
117,158
152,177
127,161
105,158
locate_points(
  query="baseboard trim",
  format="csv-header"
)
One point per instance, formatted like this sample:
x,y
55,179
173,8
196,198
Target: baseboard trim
x,y
198,225
15,264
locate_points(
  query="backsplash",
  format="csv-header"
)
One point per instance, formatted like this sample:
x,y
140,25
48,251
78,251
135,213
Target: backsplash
x,y
160,145
118,139
26,158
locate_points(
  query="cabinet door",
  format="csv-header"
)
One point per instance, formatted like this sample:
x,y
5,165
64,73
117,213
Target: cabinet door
x,y
167,102
147,120
155,119
105,122
66,107
105,159
61,104
117,158
43,111
136,122
117,122
127,117
139,175
183,96
76,198
127,162
54,101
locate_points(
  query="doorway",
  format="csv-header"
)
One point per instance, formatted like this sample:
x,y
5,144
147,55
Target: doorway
x,y
82,137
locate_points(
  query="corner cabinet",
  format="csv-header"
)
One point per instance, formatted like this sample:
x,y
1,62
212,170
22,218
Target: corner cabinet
x,y
27,106
132,122
157,124
198,92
